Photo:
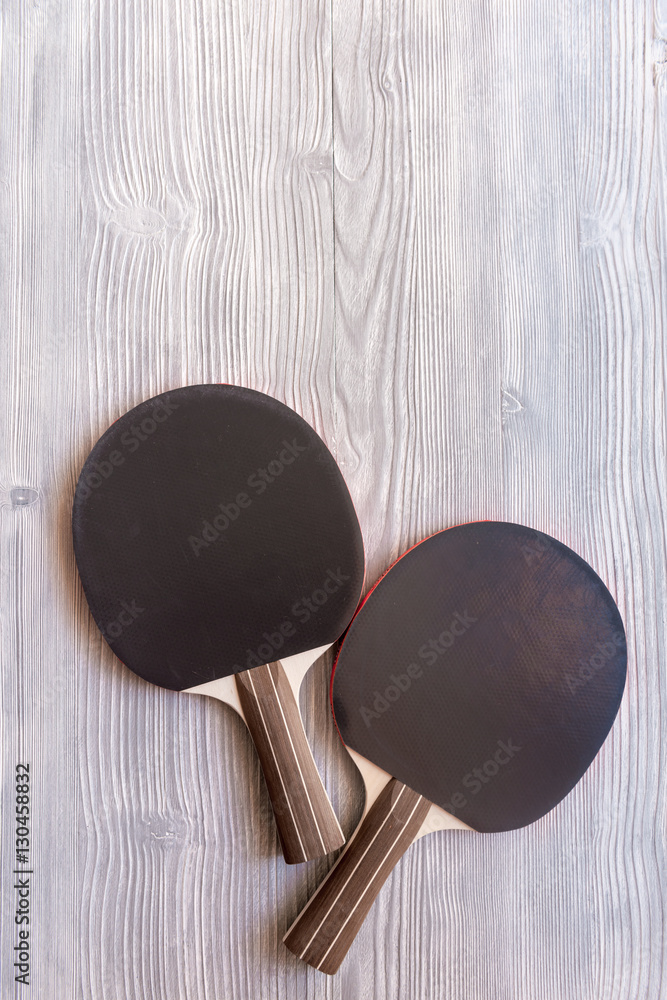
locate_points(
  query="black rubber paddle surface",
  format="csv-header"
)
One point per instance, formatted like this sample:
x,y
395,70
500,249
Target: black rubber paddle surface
x,y
483,671
213,532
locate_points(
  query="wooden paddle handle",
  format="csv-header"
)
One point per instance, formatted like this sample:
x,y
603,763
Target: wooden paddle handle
x,y
306,822
324,930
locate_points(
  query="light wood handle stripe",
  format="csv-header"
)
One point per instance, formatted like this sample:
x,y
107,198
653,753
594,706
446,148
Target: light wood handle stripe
x,y
324,930
307,824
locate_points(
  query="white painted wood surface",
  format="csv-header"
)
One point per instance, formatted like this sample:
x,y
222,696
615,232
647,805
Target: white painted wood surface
x,y
437,231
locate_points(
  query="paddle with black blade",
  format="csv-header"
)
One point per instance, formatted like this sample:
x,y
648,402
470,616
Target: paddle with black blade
x,y
220,554
473,689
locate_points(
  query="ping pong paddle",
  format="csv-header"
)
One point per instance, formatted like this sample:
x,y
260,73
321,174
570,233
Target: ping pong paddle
x,y
220,554
473,689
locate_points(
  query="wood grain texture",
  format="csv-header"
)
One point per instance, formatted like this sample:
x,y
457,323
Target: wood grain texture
x,y
307,825
499,202
324,930
483,337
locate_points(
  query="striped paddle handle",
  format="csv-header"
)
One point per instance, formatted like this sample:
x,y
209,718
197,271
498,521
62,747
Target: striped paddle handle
x,y
306,822
324,930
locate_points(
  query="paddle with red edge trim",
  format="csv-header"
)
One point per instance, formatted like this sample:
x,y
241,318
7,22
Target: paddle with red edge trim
x,y
473,689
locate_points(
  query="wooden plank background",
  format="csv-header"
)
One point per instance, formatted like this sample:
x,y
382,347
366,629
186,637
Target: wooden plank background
x,y
438,232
